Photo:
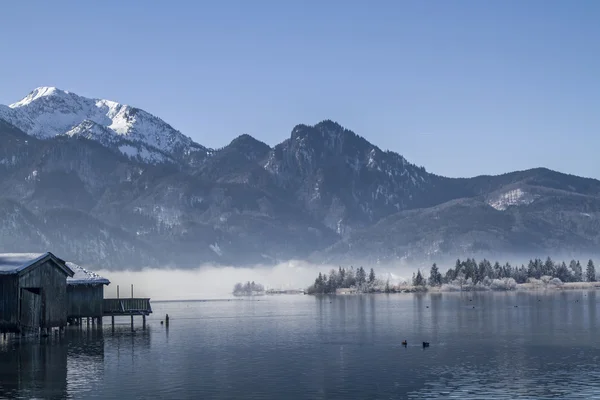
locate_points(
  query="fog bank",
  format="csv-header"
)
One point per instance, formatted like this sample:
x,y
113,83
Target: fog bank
x,y
216,282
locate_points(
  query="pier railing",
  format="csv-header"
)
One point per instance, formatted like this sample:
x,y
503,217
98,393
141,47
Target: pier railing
x,y
126,306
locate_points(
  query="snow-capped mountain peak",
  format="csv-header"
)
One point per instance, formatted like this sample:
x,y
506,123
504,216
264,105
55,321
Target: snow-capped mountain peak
x,y
47,112
36,94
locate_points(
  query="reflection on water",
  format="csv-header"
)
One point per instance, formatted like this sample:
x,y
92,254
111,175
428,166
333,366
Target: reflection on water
x,y
483,345
33,369
85,363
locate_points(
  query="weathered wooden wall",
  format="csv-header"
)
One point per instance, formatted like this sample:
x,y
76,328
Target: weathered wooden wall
x,y
85,300
9,303
53,283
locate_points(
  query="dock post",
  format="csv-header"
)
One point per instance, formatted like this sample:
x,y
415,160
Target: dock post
x,y
88,321
167,320
131,322
100,321
112,322
144,321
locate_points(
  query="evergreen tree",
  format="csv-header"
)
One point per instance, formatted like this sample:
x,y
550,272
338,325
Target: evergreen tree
x,y
497,271
507,271
435,277
341,277
470,268
577,271
361,276
563,273
450,275
349,278
549,267
372,276
532,271
418,279
590,272
520,275
332,283
485,270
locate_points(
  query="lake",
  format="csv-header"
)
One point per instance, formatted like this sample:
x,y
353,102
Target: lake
x,y
518,345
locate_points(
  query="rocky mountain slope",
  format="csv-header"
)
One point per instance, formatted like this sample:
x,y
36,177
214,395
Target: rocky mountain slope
x,y
109,185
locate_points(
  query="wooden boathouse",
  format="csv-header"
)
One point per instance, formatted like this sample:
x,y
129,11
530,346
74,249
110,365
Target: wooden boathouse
x,y
85,294
33,292
42,291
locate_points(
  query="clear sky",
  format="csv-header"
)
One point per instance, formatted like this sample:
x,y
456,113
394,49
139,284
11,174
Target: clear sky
x,y
460,87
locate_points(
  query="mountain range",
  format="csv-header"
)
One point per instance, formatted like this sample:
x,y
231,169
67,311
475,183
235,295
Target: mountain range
x,y
111,186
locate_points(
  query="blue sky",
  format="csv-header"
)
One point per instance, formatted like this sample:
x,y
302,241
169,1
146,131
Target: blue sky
x,y
460,87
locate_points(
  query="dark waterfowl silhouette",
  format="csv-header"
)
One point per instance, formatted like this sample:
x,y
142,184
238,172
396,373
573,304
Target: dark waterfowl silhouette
x,y
425,344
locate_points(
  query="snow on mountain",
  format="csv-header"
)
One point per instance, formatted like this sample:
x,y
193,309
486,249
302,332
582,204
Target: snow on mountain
x,y
513,197
48,112
135,150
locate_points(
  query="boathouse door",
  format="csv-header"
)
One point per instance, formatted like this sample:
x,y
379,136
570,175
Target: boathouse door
x,y
31,308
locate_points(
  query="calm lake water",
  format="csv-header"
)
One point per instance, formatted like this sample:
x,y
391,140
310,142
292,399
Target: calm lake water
x,y
345,347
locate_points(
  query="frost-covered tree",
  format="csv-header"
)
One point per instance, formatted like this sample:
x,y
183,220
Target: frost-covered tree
x,y
248,289
563,273
549,267
497,271
590,272
576,270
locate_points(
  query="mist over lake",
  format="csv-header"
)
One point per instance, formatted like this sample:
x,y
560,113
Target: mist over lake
x,y
214,282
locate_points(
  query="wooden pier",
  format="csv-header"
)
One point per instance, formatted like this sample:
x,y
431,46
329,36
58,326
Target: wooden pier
x,y
127,307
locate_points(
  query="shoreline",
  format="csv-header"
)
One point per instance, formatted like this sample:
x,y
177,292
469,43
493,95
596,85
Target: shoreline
x,y
520,287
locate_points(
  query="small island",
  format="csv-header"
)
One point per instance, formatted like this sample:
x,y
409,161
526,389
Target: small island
x,y
466,275
248,289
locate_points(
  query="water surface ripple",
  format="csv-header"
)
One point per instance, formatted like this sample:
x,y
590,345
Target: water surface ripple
x,y
523,345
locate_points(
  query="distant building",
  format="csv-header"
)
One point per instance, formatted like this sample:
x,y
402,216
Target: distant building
x,y
85,293
33,292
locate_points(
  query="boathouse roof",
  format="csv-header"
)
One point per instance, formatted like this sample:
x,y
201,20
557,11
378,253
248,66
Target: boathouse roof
x,y
84,277
14,263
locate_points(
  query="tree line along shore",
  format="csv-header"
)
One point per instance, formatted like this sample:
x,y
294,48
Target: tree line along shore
x,y
465,275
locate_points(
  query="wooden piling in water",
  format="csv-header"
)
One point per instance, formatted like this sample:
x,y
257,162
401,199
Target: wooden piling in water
x,y
132,323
